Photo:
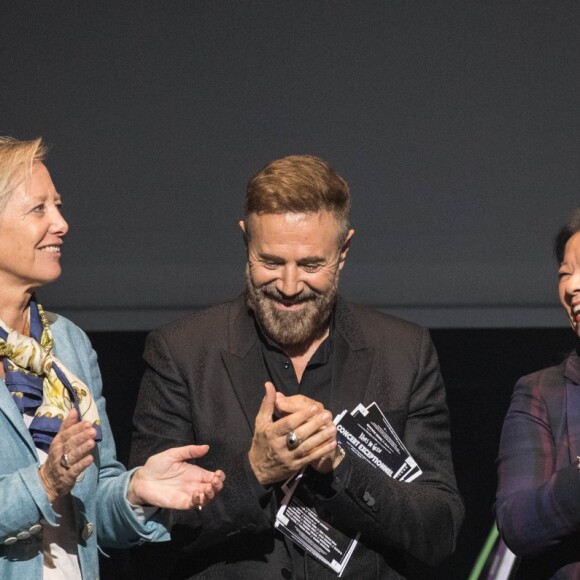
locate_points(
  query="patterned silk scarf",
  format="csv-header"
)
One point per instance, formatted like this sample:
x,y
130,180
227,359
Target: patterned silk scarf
x,y
39,381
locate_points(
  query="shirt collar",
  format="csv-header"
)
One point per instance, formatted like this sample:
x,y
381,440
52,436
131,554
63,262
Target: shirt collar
x,y
322,354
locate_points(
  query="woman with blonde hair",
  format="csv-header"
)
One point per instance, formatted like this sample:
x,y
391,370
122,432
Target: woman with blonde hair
x,y
63,491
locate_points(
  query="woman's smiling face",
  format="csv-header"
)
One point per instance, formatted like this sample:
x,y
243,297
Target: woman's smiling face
x,y
31,233
569,285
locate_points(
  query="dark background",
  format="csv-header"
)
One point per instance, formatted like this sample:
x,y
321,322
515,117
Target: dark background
x,y
455,123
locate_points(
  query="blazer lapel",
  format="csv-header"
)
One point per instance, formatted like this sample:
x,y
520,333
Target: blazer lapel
x,y
10,410
352,361
244,361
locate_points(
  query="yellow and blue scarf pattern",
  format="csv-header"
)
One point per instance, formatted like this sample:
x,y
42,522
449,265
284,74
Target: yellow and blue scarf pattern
x,y
39,381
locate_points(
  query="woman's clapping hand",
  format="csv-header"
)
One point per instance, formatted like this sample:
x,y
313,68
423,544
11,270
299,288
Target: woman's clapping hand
x,y
69,454
167,480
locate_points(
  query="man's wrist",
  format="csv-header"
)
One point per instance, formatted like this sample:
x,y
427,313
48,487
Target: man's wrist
x,y
340,455
331,463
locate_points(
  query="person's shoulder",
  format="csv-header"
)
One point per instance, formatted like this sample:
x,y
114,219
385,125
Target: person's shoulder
x,y
552,378
382,318
376,323
69,339
544,391
202,323
63,328
391,337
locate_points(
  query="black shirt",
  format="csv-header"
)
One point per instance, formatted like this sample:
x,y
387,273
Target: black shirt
x,y
316,381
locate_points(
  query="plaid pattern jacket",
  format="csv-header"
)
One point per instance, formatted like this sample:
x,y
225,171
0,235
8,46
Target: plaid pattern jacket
x,y
538,497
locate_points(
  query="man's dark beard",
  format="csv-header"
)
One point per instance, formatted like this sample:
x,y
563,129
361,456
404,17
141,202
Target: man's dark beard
x,y
290,328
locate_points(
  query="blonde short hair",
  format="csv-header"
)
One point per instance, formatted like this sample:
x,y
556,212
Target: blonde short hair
x,y
16,161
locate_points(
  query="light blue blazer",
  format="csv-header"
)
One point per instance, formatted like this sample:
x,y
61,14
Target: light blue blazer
x,y
103,517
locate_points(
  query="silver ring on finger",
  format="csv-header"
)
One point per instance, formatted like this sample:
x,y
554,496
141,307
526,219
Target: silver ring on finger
x,y
292,441
64,461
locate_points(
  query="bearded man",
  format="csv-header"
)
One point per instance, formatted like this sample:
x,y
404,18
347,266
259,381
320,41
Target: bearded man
x,y
261,378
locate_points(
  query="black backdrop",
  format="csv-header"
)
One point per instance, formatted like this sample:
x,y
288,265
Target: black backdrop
x,y
480,367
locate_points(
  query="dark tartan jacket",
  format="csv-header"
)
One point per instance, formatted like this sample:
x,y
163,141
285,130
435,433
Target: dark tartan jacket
x,y
538,497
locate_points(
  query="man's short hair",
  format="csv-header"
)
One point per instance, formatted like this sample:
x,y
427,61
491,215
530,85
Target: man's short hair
x,y
299,184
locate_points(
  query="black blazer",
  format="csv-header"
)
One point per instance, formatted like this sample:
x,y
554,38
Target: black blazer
x,y
204,384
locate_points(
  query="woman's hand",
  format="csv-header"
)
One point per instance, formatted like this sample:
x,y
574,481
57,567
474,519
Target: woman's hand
x,y
75,441
168,481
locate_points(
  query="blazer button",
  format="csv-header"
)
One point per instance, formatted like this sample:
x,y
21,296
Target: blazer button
x,y
11,540
371,501
366,496
23,535
87,531
35,529
286,573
